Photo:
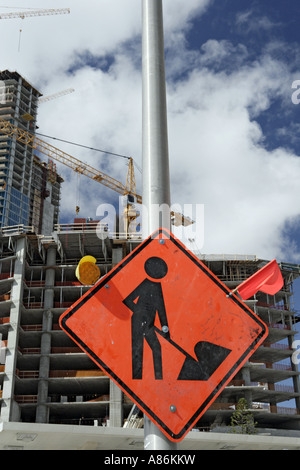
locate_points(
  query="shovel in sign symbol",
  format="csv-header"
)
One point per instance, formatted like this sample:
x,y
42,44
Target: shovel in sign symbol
x,y
209,357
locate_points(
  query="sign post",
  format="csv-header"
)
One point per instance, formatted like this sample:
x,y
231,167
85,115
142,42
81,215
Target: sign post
x,y
156,179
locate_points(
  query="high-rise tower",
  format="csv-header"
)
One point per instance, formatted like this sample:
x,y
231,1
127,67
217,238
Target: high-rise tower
x,y
29,189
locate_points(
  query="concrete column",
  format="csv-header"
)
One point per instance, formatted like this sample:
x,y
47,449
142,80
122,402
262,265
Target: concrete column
x,y
42,411
115,406
294,365
117,254
10,409
246,377
115,393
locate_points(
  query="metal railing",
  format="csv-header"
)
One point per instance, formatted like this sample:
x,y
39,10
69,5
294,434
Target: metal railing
x,y
101,229
16,229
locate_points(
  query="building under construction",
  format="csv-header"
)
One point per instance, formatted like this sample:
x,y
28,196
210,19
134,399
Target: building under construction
x,y
46,378
29,187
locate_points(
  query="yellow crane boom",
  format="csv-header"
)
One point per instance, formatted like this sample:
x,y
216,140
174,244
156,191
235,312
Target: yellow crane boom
x,y
43,99
75,164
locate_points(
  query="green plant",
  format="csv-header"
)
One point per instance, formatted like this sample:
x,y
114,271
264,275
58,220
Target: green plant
x,y
242,420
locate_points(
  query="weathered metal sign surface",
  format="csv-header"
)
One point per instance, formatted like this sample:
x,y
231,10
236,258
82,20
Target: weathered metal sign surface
x,y
162,326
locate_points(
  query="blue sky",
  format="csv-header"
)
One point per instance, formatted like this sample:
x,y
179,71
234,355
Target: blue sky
x,y
255,29
258,25
233,129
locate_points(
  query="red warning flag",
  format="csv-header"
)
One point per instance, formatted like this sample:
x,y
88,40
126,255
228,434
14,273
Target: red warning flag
x,y
268,279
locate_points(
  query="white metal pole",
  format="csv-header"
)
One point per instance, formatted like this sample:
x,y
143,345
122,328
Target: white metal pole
x,y
156,179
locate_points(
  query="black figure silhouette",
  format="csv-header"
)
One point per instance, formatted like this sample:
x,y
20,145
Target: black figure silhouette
x,y
150,301
145,302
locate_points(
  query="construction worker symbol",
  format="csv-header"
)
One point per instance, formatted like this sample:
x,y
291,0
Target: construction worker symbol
x,y
146,301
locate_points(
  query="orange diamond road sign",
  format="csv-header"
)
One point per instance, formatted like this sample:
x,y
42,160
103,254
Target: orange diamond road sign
x,y
162,326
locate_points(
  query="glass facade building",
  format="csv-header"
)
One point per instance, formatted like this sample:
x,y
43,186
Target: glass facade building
x,y
29,188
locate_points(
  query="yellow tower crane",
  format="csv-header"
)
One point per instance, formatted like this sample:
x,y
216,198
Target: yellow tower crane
x,y
31,13
26,14
78,166
43,99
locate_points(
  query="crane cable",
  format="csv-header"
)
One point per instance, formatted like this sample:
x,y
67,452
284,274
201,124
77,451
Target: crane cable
x,y
84,146
91,148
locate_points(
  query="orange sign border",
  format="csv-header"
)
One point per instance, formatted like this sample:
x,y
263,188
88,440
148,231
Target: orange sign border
x,y
138,400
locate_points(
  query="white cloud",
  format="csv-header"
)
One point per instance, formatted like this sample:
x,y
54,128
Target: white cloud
x,y
217,146
51,42
250,21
